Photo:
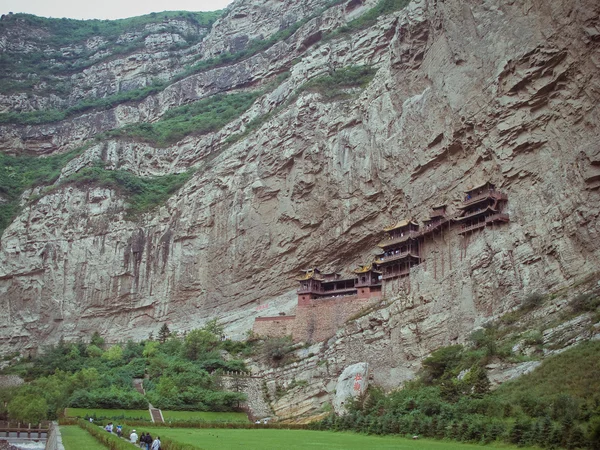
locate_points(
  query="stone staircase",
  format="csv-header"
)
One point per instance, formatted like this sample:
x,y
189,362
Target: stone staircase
x,y
156,415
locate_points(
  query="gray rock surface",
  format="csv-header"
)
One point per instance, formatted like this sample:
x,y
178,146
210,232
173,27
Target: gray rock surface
x,y
464,93
351,384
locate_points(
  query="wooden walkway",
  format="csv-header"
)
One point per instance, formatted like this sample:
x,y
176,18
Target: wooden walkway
x,y
24,430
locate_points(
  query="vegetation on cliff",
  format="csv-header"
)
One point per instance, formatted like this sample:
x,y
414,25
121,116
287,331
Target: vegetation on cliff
x,y
141,193
335,85
63,50
18,173
254,47
183,373
200,117
550,407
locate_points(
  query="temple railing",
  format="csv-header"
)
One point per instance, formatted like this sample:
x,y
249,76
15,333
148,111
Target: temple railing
x,y
397,240
325,292
475,213
496,195
395,274
498,217
502,217
395,257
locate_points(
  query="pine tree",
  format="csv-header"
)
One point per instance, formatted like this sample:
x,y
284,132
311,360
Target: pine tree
x,y
163,333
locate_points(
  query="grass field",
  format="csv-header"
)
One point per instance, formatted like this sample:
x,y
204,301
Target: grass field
x,y
76,438
218,439
203,416
109,413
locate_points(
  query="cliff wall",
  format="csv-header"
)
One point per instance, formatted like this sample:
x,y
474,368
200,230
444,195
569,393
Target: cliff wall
x,y
465,92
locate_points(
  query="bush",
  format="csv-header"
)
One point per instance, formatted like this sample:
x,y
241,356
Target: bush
x,y
110,398
336,84
276,349
28,409
585,302
532,301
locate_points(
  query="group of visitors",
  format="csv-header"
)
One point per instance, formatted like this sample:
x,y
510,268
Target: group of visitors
x,y
146,441
109,428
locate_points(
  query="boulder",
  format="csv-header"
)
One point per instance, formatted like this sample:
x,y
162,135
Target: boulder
x,y
352,383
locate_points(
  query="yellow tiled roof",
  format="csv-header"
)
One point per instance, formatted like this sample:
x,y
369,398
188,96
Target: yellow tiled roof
x,y
478,186
400,224
363,268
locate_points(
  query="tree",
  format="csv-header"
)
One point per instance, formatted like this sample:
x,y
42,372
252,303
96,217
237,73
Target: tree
x,y
163,333
114,353
150,349
213,326
199,342
97,340
28,409
94,351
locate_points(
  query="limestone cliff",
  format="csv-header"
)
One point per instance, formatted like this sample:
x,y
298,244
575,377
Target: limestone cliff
x,y
465,92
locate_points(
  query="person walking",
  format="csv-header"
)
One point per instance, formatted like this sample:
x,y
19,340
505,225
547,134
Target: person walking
x,y
148,441
143,441
133,437
156,444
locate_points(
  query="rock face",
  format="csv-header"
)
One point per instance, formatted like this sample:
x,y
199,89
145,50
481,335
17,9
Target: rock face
x,y
352,383
464,93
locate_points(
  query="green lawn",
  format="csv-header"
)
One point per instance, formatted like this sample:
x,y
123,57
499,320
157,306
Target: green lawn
x,y
109,413
203,416
218,439
76,438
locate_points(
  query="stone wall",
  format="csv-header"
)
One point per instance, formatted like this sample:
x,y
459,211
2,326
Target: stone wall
x,y
315,320
256,404
277,326
320,319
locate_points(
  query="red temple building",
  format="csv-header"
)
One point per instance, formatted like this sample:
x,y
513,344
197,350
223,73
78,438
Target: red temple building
x,y
437,219
315,285
399,250
368,281
327,299
483,205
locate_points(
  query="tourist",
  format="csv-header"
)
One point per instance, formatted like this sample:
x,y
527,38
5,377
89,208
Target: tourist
x,y
148,441
133,437
120,430
109,427
156,443
143,440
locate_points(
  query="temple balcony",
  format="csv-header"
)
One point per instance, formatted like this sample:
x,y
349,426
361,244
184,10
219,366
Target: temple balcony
x,y
397,273
479,212
367,284
490,194
398,240
332,292
396,257
498,217
434,225
321,292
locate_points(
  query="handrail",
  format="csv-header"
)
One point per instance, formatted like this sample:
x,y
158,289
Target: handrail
x,y
391,241
487,194
395,257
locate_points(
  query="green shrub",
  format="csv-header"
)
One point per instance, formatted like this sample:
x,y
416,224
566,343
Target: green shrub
x,y
108,398
18,173
275,350
585,302
532,301
369,18
200,117
143,194
335,85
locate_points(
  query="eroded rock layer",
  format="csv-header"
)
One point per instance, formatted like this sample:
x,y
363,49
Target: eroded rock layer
x,y
465,92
